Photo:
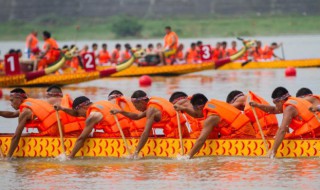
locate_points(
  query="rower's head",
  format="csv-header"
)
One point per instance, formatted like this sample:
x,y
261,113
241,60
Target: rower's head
x,y
17,96
81,105
104,46
177,96
150,47
54,94
127,46
140,100
46,35
94,46
274,45
303,92
224,44
34,33
180,47
159,45
114,94
199,43
198,102
118,47
237,99
167,29
233,44
193,46
280,95
259,44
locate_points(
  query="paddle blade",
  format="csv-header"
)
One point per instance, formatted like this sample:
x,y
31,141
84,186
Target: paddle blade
x,y
62,157
245,63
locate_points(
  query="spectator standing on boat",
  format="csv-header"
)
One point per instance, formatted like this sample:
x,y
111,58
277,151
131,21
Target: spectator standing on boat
x,y
31,42
268,122
268,52
295,115
32,112
192,54
98,117
171,40
159,113
115,56
104,56
230,122
51,52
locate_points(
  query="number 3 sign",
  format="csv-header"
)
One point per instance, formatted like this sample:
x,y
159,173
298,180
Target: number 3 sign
x,y
89,62
205,52
11,64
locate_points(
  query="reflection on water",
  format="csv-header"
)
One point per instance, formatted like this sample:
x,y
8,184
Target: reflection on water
x,y
200,173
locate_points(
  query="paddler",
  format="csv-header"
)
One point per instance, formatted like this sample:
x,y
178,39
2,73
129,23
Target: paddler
x,y
233,50
308,95
104,56
32,112
51,52
136,126
115,55
196,124
171,40
268,122
229,120
31,42
159,113
295,115
98,117
268,51
192,54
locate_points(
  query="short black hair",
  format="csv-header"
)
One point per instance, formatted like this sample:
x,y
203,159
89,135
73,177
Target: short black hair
x,y
199,43
94,45
176,95
115,92
233,94
118,46
274,44
54,87
46,34
224,43
139,46
168,27
198,99
12,51
104,45
303,92
139,94
65,47
18,51
79,100
150,45
279,92
193,44
127,46
18,90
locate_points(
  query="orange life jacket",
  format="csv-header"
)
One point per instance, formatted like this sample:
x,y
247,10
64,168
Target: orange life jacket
x,y
136,126
305,123
71,125
192,55
53,53
257,53
168,40
268,122
104,56
267,53
232,51
43,116
126,55
179,55
168,122
233,124
115,56
223,52
34,41
108,123
216,54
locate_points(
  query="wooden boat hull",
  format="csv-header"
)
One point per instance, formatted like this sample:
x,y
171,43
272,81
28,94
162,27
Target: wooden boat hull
x,y
159,147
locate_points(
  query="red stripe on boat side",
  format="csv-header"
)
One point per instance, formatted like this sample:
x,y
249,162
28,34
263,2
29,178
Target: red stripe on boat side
x,y
34,75
221,62
108,72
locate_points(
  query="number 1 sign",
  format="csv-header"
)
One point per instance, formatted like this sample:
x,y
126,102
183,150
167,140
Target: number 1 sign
x,y
11,64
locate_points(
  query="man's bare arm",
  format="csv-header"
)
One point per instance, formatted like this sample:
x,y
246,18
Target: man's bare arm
x,y
9,114
266,108
130,115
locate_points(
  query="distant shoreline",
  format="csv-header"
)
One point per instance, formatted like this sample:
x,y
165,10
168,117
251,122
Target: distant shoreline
x,y
92,29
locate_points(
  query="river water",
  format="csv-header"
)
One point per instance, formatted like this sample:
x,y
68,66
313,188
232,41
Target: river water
x,y
200,173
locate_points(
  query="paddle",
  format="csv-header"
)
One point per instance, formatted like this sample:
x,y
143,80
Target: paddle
x,y
122,135
1,153
260,129
282,51
246,62
61,133
180,134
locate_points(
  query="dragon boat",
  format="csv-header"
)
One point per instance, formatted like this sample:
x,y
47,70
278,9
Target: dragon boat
x,y
159,147
100,72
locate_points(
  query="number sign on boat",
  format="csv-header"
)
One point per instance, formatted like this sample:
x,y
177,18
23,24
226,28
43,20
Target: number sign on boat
x,y
205,52
12,66
89,62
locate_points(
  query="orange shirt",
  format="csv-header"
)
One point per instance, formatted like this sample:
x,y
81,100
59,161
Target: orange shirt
x,y
267,53
34,41
125,55
192,55
115,56
179,55
232,51
168,40
216,54
104,56
53,52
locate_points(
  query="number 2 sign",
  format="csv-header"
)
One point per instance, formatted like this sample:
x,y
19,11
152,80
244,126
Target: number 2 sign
x,y
205,52
89,62
11,64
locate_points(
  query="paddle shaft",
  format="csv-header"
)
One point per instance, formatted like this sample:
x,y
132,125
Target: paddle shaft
x,y
1,153
180,134
260,128
122,135
282,51
61,133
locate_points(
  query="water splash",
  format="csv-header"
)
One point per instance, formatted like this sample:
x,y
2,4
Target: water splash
x,y
62,157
